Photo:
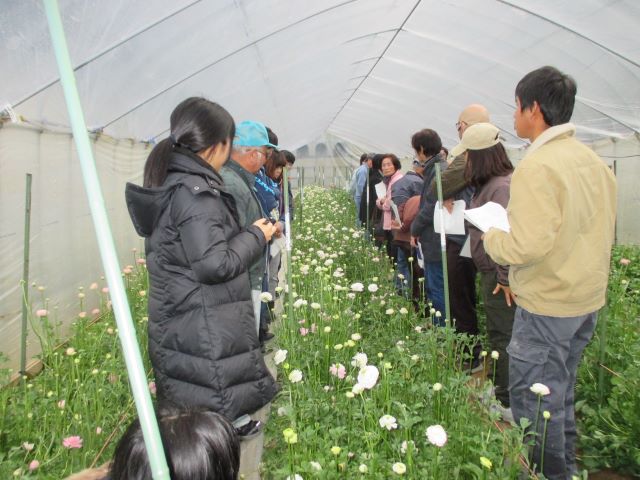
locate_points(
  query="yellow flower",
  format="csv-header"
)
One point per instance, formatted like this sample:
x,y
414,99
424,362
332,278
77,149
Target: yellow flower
x,y
486,463
336,450
290,436
546,414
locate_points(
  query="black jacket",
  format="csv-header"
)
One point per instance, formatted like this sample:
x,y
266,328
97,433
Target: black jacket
x,y
422,225
374,213
202,335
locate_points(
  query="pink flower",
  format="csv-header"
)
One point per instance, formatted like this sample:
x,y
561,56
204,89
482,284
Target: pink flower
x,y
314,328
304,331
338,371
93,286
127,270
34,465
82,314
61,404
141,261
98,431
95,311
42,313
625,261
152,388
302,322
72,442
105,289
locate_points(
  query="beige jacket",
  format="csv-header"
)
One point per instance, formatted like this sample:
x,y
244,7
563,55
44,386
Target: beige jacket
x,y
562,215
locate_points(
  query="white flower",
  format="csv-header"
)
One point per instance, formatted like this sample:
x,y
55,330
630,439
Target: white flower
x,y
356,336
327,329
389,422
368,376
495,355
357,389
436,435
328,262
295,376
265,297
315,306
357,287
389,311
299,303
418,329
363,468
351,296
372,288
399,468
437,387
295,477
359,360
540,389
316,466
280,356
401,276
404,311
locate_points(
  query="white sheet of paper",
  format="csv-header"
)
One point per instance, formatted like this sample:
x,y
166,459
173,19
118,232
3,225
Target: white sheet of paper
x,y
394,210
490,215
453,222
420,255
466,248
381,190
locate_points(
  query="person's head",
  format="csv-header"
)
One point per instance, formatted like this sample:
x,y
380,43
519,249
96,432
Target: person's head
x,y
289,158
474,113
426,143
363,158
418,166
486,156
273,139
198,126
544,98
275,163
198,445
390,164
251,145
376,161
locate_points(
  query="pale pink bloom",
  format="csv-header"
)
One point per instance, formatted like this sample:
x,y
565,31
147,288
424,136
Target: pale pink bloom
x,y
93,286
127,270
314,328
304,331
61,404
82,314
70,351
540,389
302,322
338,371
42,313
98,431
436,435
72,442
141,261
27,446
105,289
95,311
34,465
625,261
142,293
152,388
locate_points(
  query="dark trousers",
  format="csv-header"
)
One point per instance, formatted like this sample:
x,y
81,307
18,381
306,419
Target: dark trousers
x,y
462,290
499,326
547,350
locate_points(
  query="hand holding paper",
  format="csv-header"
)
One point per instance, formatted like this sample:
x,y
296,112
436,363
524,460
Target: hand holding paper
x,y
490,215
454,221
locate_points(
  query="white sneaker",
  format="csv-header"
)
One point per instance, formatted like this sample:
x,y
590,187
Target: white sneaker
x,y
503,412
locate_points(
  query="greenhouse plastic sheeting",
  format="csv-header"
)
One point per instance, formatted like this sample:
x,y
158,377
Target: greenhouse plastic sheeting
x,y
369,71
64,251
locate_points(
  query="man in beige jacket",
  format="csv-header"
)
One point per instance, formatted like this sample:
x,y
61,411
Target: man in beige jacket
x,y
562,216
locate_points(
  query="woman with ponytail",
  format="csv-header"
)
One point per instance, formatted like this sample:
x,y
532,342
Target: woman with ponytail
x,y
202,338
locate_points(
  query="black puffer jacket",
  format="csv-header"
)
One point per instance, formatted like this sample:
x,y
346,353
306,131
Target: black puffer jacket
x,y
202,336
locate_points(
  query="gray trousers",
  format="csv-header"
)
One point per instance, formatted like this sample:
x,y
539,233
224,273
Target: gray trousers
x,y
547,350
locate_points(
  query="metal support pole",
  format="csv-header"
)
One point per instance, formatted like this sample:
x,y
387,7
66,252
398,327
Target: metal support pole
x,y
443,247
126,332
25,276
287,223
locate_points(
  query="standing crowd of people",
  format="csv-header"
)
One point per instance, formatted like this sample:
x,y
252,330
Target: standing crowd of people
x,y
211,211
541,283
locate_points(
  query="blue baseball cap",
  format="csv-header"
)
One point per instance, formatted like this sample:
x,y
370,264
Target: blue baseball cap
x,y
252,134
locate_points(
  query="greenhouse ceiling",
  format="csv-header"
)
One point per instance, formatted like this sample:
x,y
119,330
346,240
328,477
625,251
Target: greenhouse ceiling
x,y
369,71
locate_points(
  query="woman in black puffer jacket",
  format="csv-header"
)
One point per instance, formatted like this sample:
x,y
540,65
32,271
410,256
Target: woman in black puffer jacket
x,y
202,339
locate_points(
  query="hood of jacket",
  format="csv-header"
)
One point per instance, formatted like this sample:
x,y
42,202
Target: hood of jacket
x,y
146,205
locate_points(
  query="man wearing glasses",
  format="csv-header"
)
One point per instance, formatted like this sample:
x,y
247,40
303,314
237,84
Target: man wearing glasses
x,y
248,155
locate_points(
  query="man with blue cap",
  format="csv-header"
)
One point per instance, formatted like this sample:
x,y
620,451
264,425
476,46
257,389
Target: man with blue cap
x,y
248,155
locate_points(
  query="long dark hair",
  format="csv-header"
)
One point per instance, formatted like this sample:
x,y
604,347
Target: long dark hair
x,y
484,164
196,124
198,445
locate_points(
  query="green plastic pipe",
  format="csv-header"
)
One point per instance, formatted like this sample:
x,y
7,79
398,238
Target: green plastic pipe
x,y
25,276
287,223
443,247
131,351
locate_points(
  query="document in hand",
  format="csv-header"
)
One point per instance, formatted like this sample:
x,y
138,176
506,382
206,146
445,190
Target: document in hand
x,y
453,222
490,215
396,214
381,190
